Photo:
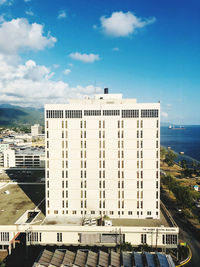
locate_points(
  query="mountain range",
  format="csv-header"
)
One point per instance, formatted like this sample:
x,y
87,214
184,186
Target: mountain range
x,y
11,115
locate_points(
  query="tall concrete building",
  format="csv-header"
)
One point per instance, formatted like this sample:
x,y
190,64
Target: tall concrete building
x,y
103,158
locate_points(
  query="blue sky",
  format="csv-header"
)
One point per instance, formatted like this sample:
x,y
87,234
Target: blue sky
x,y
51,51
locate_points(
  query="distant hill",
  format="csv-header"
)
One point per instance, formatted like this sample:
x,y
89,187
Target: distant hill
x,y
15,115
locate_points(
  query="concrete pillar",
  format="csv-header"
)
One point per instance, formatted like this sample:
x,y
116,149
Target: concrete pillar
x,y
9,249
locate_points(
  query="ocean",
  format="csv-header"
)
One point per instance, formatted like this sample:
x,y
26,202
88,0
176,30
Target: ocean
x,y
186,140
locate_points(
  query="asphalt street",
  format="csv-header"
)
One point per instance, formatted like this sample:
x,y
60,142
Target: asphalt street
x,y
185,233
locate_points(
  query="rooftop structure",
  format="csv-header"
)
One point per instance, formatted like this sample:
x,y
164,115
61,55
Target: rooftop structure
x,y
82,258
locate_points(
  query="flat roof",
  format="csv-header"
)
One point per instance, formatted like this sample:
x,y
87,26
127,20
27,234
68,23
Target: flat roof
x,y
18,200
27,196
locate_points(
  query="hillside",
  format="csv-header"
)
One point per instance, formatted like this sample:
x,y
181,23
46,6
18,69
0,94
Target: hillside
x,y
16,116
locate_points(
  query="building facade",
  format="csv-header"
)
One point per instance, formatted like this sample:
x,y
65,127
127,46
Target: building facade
x,y
103,158
24,158
36,130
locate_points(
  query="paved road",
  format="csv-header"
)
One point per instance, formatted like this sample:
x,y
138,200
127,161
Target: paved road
x,y
186,234
189,236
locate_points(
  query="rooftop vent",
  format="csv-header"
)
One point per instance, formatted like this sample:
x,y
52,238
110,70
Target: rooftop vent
x,y
106,91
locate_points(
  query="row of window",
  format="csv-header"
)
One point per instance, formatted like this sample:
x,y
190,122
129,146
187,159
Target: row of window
x,y
37,237
74,212
4,236
102,175
127,113
34,236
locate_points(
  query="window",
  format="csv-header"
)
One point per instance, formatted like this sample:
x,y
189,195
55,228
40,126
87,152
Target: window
x,y
73,113
130,212
92,112
156,204
169,239
59,237
111,112
138,164
143,238
4,236
149,113
130,113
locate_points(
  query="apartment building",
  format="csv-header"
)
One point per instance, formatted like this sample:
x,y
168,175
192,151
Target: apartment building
x,y
103,158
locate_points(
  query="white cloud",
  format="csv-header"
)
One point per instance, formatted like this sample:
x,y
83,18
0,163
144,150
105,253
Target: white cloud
x,y
18,34
164,114
2,2
66,71
123,24
62,14
87,58
29,13
30,84
115,49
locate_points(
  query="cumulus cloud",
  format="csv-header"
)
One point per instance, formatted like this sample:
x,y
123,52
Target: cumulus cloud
x,y
30,84
66,71
87,58
18,34
62,14
121,24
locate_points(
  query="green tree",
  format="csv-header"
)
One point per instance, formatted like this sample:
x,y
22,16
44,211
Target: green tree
x,y
170,157
184,164
163,152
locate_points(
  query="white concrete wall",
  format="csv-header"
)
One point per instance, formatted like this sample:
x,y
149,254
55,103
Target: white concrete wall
x,y
139,194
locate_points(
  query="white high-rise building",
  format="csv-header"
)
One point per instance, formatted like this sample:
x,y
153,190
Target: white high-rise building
x,y
103,158
36,130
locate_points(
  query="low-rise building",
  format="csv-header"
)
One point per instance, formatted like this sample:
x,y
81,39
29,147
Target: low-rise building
x,y
23,158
